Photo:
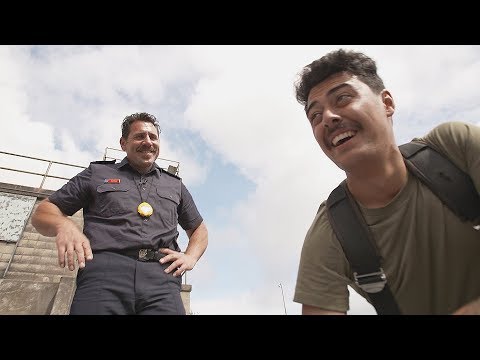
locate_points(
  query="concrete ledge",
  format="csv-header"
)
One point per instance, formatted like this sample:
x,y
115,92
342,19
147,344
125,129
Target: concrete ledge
x,y
25,190
19,297
64,296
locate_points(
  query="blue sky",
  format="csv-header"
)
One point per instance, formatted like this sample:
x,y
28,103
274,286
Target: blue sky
x,y
229,116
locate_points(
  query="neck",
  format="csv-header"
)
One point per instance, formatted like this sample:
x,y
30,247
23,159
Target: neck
x,y
378,182
142,171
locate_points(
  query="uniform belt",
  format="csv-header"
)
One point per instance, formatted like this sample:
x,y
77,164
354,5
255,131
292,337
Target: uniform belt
x,y
143,254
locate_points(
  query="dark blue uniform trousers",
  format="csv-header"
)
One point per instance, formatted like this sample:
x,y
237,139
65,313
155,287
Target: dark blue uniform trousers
x,y
115,284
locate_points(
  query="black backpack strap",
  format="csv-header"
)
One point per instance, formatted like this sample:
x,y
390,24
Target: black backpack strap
x,y
449,183
357,243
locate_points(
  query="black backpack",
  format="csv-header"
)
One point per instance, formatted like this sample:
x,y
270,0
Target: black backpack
x,y
449,183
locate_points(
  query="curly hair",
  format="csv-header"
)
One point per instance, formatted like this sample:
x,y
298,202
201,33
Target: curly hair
x,y
349,61
143,116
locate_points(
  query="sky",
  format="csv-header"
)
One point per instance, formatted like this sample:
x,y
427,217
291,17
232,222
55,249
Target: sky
x,y
229,117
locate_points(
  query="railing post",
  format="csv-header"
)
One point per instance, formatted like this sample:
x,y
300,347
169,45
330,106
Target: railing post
x,y
45,175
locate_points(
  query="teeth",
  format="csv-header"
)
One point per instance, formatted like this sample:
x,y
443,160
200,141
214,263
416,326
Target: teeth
x,y
342,136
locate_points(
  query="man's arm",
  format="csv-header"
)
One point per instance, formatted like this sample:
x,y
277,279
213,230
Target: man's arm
x,y
197,243
312,310
472,308
49,220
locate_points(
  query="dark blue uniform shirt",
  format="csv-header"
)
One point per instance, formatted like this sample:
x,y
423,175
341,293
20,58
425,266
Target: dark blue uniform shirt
x,y
110,193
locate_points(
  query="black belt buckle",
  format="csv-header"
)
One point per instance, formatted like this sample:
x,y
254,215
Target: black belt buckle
x,y
146,254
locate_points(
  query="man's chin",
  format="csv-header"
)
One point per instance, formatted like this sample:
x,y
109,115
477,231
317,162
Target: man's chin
x,y
148,159
148,164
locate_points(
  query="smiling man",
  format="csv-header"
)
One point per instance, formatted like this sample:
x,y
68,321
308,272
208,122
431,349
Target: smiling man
x,y
429,255
128,257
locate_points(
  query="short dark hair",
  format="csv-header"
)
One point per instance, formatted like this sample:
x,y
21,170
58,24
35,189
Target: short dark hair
x,y
355,63
143,116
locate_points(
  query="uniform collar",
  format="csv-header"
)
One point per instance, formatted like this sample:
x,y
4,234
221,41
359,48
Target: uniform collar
x,y
125,162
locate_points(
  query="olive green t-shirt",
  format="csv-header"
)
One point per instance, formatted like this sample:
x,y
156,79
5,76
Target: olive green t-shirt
x,y
430,257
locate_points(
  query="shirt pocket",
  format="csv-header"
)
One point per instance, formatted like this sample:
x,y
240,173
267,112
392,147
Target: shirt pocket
x,y
169,201
113,199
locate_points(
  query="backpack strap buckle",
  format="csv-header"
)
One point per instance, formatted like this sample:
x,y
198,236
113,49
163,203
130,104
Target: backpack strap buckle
x,y
372,282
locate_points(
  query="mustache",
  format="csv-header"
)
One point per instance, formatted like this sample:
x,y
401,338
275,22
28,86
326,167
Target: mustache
x,y
147,148
338,125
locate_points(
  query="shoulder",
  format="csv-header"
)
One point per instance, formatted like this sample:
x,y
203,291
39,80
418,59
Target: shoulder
x,y
322,206
103,162
320,229
163,171
458,141
451,134
100,167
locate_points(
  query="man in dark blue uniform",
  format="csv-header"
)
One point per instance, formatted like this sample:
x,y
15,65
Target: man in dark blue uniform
x,y
128,257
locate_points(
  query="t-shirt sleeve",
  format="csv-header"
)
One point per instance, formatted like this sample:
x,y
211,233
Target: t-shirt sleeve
x,y
322,275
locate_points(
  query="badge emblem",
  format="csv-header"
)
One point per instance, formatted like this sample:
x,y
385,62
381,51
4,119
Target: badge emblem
x,y
145,209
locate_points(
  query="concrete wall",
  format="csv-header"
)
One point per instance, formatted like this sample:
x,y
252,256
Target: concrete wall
x,y
31,280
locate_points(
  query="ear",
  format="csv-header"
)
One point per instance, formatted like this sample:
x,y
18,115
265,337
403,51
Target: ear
x,y
388,102
123,143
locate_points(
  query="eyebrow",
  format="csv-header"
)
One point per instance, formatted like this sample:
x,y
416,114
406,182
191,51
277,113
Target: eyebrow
x,y
332,90
143,133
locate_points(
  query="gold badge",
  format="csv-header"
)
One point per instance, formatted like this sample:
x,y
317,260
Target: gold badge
x,y
145,209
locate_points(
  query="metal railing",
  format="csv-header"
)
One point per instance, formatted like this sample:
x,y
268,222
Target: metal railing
x,y
45,174
173,168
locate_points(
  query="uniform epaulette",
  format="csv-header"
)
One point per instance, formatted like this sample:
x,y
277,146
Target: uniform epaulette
x,y
169,173
105,162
